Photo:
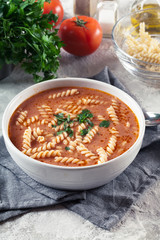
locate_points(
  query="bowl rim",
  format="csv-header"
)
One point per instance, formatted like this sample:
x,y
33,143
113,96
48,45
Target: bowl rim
x,y
34,161
123,52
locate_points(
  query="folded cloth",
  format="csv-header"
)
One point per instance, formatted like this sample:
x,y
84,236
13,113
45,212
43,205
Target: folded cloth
x,y
103,206
19,193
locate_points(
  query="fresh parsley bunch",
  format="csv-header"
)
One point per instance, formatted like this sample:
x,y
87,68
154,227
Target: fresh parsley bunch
x,y
26,38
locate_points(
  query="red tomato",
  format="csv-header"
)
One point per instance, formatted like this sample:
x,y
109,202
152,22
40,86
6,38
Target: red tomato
x,y
81,35
56,7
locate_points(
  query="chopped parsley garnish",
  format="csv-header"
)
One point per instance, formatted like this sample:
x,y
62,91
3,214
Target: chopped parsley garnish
x,y
89,122
85,131
68,129
67,148
60,118
59,115
105,123
66,121
84,115
68,118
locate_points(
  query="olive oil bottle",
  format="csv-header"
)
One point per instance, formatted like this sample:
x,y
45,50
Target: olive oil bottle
x,y
151,16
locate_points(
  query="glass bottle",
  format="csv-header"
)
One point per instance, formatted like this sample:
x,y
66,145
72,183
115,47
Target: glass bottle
x,y
151,16
144,4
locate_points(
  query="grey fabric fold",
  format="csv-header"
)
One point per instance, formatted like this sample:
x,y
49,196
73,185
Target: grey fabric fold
x,y
103,206
19,193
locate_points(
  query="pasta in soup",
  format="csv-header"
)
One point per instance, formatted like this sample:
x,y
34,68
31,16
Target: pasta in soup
x,y
73,126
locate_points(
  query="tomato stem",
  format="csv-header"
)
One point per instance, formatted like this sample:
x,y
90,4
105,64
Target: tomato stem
x,y
81,23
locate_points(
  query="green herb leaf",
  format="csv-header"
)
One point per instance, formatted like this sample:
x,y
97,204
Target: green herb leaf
x,y
84,132
60,118
71,134
67,148
90,123
105,123
66,121
68,130
68,118
59,122
84,115
26,38
54,126
59,115
60,132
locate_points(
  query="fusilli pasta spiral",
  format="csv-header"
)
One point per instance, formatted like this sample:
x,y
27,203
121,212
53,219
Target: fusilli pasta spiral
x,y
101,118
73,144
53,122
45,111
113,130
65,113
81,127
47,153
41,139
102,155
30,120
27,138
42,122
87,101
111,144
88,138
84,151
59,138
67,93
112,114
74,109
21,117
69,160
115,105
36,132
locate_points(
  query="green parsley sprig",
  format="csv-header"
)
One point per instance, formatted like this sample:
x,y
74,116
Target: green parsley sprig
x,y
105,123
61,119
85,116
67,148
26,38
85,131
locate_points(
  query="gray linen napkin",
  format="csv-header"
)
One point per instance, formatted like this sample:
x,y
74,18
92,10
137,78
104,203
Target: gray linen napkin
x,y
103,206
19,193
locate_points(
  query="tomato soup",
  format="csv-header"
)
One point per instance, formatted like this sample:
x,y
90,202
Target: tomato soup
x,y
73,126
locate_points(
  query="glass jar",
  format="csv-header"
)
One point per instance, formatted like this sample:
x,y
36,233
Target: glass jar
x,y
107,15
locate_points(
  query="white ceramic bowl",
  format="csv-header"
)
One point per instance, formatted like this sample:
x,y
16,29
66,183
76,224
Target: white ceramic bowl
x,y
73,178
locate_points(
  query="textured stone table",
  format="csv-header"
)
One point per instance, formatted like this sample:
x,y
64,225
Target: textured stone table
x,y
142,222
